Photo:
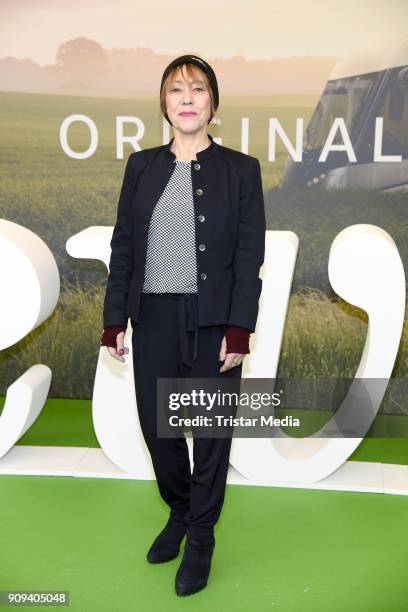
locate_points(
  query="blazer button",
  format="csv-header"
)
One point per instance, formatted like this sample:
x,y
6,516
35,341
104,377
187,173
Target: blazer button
x,y
201,247
197,166
201,218
203,275
199,191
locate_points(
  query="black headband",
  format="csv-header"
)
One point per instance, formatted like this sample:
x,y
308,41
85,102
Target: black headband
x,y
205,67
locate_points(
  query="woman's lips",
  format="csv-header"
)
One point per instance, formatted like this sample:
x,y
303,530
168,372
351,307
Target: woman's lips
x,y
187,114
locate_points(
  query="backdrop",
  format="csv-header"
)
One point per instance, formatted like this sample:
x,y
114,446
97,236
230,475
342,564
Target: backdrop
x,y
297,66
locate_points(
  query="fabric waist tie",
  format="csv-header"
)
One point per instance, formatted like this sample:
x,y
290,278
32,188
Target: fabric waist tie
x,y
187,314
188,321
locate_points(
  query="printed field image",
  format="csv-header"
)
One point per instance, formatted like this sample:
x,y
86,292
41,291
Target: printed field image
x,y
56,196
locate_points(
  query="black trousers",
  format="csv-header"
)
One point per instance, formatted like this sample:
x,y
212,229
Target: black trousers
x,y
167,343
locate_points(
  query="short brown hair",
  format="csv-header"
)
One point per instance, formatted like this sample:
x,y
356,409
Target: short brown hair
x,y
190,68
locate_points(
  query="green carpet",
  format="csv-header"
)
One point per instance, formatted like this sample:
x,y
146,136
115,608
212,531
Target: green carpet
x,y
67,422
276,548
289,550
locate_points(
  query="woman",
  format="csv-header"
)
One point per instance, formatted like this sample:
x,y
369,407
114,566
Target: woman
x,y
187,248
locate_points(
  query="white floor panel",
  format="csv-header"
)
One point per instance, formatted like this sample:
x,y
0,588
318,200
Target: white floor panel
x,y
95,464
359,476
395,479
42,460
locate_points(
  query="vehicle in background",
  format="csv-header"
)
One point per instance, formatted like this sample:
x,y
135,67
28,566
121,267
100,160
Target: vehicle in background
x,y
362,86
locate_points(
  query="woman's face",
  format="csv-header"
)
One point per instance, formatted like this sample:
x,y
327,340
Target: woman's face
x,y
188,101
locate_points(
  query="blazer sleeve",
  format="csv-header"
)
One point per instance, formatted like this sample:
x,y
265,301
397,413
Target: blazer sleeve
x,y
122,254
249,249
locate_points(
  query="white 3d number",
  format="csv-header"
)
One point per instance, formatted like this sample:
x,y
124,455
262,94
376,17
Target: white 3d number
x,y
30,284
365,269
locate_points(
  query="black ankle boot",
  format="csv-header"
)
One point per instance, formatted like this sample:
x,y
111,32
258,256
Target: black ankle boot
x,y
192,575
167,544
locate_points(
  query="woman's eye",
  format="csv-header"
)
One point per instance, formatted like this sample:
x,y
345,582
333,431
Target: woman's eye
x,y
173,89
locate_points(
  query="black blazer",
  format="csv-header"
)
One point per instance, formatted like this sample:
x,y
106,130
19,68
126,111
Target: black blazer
x,y
229,228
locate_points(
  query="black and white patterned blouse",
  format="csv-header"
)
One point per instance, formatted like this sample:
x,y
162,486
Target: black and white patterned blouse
x,y
171,265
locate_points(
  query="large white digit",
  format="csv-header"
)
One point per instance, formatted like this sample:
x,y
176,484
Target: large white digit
x,y
30,286
114,407
365,269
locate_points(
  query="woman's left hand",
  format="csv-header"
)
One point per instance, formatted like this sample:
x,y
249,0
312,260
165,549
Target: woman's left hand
x,y
231,360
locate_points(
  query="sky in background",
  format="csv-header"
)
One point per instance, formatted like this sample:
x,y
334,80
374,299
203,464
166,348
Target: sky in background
x,y
255,29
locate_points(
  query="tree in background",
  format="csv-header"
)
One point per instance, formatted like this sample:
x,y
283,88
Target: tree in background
x,y
81,62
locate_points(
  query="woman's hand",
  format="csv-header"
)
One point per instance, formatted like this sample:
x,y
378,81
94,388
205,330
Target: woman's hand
x,y
231,360
120,350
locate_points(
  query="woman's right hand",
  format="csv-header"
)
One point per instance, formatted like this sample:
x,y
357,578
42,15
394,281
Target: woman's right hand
x,y
121,349
113,338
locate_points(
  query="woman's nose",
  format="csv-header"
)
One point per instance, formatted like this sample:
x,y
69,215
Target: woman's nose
x,y
187,97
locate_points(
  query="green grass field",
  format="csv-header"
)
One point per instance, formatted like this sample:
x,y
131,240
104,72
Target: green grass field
x,y
56,197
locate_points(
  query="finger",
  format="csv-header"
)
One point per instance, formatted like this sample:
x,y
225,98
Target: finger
x,y
233,360
221,355
223,350
227,365
114,353
120,340
120,347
